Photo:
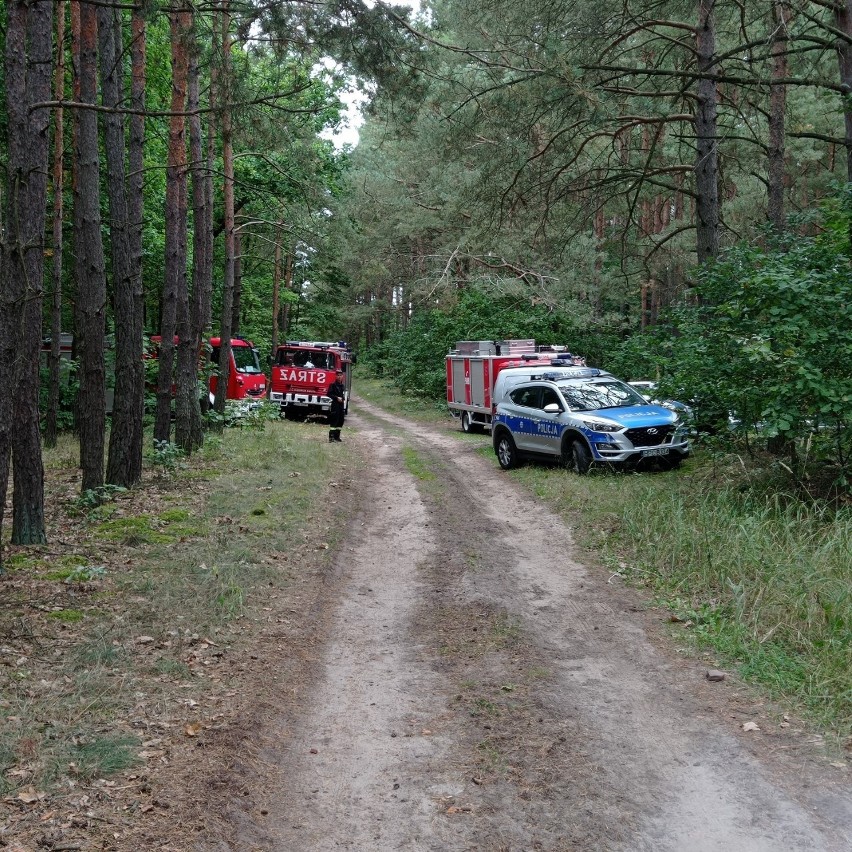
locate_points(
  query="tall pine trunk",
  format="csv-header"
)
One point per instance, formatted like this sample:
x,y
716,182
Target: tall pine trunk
x,y
51,428
124,462
238,282
28,71
89,261
174,281
843,23
777,117
707,151
288,286
135,206
276,289
189,433
228,213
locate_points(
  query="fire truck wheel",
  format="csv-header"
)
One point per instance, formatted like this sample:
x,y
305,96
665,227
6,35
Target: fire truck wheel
x,y
467,426
577,456
507,454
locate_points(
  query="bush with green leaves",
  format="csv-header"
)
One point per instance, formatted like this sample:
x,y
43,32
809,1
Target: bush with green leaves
x,y
245,414
165,456
92,498
768,344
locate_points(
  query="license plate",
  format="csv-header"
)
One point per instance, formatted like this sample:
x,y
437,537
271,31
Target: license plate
x,y
655,452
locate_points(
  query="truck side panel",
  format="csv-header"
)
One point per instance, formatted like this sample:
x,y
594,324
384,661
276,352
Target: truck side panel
x,y
477,382
460,386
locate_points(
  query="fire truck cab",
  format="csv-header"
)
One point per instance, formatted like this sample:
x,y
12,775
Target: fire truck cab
x,y
303,371
246,379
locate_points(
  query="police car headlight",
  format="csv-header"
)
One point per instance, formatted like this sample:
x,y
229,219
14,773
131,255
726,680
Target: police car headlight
x,y
601,426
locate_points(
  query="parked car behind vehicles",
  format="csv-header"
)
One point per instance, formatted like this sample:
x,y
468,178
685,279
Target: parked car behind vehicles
x,y
581,418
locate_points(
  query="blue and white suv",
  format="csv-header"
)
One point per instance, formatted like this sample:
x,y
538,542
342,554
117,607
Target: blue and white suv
x,y
583,417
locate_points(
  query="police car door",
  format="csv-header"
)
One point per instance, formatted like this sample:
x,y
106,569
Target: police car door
x,y
550,425
525,417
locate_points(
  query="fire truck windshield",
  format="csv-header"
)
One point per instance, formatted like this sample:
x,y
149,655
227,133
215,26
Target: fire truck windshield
x,y
246,359
310,358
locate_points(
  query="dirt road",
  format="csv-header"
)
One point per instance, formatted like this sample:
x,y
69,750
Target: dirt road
x,y
466,684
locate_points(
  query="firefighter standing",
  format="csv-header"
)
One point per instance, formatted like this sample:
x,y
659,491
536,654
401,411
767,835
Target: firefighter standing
x,y
337,392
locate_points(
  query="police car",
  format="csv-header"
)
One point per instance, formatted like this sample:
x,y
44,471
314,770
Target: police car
x,y
584,417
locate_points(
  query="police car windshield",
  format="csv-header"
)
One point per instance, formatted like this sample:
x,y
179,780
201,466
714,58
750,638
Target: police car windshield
x,y
608,393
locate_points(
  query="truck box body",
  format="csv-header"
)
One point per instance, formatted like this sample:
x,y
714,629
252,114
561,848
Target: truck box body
x,y
472,369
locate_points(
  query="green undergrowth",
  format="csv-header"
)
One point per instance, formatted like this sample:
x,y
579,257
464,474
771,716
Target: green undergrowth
x,y
760,578
130,612
383,393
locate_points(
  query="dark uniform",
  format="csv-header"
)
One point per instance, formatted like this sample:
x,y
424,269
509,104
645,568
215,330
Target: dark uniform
x,y
337,392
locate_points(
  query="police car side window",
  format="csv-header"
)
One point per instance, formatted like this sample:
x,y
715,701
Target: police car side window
x,y
527,397
548,396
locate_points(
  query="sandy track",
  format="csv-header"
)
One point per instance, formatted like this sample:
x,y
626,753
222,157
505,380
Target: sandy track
x,y
473,687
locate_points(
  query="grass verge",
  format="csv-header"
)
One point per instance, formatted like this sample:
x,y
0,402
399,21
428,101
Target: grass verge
x,y
761,578
386,396
112,633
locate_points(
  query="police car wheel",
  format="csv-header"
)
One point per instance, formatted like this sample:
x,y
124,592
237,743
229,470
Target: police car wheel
x,y
507,453
579,458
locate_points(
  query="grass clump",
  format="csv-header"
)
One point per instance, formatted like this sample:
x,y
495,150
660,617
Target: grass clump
x,y
104,756
69,616
171,516
760,577
148,529
22,561
79,573
416,466
132,531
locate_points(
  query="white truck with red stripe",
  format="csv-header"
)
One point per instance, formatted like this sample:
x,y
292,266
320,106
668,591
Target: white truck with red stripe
x,y
473,367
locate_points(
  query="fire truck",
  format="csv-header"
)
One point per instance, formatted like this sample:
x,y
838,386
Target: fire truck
x,y
246,379
302,373
473,366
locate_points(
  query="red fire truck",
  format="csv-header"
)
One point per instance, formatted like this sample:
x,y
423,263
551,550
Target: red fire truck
x,y
472,368
302,373
246,380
